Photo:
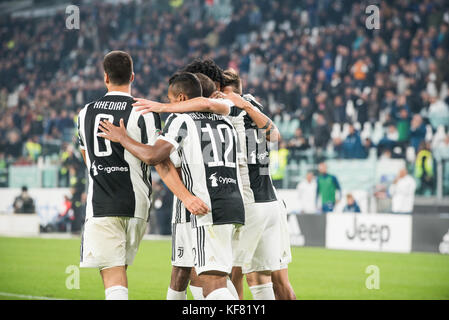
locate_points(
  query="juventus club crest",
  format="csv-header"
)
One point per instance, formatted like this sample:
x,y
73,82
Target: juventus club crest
x,y
180,252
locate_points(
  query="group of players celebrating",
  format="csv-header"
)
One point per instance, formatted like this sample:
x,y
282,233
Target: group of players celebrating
x,y
213,154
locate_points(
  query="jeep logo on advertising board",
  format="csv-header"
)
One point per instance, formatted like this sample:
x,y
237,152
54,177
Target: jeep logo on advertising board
x,y
372,232
369,232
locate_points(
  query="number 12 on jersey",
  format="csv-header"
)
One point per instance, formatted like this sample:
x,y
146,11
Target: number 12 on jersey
x,y
226,137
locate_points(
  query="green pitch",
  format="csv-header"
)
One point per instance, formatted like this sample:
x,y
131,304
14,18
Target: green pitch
x,y
36,267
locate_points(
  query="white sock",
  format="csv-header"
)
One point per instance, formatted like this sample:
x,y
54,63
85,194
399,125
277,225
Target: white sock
x,y
176,295
263,291
116,293
232,289
197,292
220,294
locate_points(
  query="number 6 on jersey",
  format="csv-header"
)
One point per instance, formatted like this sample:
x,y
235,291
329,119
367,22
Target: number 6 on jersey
x,y
106,143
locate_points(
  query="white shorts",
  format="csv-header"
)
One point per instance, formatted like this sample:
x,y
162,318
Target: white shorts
x,y
111,241
286,252
257,247
182,250
212,247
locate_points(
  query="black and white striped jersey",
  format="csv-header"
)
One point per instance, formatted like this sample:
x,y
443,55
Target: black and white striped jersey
x,y
255,162
119,183
207,146
179,212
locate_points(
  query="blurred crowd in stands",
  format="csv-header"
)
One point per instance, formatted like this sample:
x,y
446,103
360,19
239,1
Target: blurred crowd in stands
x,y
333,87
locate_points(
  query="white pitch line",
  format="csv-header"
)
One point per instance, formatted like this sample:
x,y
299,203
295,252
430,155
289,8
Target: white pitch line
x,y
23,296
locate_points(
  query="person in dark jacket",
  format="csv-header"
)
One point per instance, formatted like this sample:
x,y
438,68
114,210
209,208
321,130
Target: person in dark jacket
x,y
24,203
351,204
352,146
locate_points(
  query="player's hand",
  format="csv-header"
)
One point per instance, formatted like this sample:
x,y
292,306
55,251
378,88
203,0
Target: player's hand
x,y
111,132
196,206
217,95
237,100
148,106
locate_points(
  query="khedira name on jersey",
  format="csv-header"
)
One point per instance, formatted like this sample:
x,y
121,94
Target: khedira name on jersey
x,y
110,105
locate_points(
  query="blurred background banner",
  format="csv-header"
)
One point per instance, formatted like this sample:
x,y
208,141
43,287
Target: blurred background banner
x,y
369,232
431,233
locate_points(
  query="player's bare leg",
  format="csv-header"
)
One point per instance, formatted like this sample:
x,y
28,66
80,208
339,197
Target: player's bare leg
x,y
237,280
282,288
178,283
195,286
115,283
195,281
215,286
260,285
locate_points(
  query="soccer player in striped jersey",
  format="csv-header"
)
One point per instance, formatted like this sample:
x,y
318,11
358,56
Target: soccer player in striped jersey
x,y
265,195
207,146
119,190
258,191
182,258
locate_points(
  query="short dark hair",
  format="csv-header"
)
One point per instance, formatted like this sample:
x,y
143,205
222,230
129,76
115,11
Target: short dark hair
x,y
207,67
207,85
118,65
186,83
232,79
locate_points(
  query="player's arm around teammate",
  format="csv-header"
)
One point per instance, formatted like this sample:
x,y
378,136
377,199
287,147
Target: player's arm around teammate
x,y
281,285
200,104
259,118
158,156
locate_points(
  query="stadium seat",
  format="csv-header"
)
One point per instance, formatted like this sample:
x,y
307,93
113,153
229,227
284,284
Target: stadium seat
x,y
345,131
410,154
336,131
367,131
378,132
429,133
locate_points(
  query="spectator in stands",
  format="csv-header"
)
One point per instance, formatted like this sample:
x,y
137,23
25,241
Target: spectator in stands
x,y
278,164
351,204
23,203
404,65
399,106
257,68
438,112
441,148
65,218
33,149
305,115
403,125
321,133
402,192
352,146
298,142
14,145
417,131
328,189
359,71
368,144
424,171
361,104
79,212
339,110
306,190
389,141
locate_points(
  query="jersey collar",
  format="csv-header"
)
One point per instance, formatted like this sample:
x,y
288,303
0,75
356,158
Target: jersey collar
x,y
118,93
